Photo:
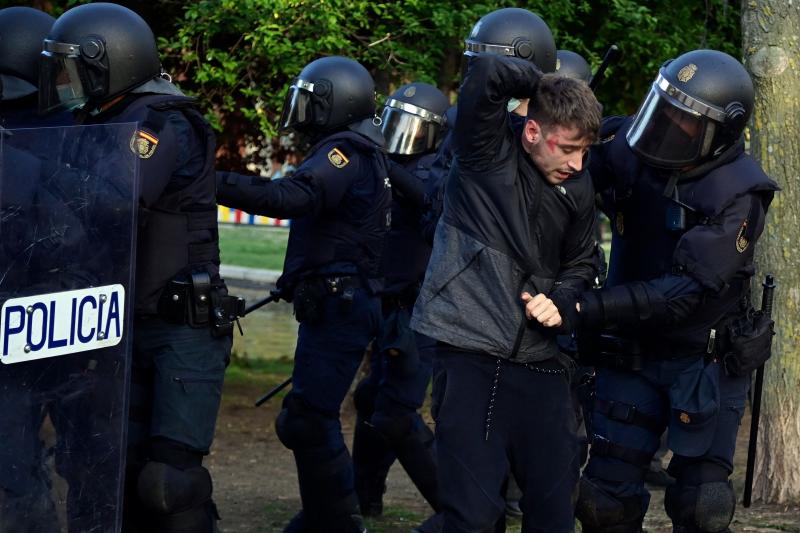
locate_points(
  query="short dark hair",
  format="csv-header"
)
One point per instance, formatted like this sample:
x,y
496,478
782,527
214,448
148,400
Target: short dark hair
x,y
566,102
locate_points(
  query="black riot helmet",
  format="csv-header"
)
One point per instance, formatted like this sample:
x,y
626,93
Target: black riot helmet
x,y
22,30
330,93
572,65
413,119
93,53
697,107
512,31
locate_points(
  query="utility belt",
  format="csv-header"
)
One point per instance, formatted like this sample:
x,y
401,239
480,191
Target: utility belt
x,y
200,302
310,293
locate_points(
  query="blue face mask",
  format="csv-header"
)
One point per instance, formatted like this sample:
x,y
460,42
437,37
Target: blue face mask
x,y
512,105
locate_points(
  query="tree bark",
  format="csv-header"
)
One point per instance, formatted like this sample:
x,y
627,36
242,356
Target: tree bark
x,y
772,54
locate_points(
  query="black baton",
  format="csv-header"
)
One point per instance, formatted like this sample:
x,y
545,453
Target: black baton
x,y
273,392
273,297
612,56
766,308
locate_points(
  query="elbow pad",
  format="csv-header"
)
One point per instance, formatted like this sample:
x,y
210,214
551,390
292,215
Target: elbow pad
x,y
627,304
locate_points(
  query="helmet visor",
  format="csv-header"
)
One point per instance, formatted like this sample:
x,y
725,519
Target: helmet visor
x,y
406,133
666,133
297,105
60,84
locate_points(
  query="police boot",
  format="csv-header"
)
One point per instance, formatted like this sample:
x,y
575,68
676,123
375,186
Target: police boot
x,y
599,511
433,524
412,441
297,524
372,459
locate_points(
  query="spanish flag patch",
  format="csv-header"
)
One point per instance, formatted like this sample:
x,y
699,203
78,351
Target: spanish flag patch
x,y
144,144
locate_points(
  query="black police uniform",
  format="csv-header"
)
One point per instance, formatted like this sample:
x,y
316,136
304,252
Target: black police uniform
x,y
387,401
181,348
339,201
680,269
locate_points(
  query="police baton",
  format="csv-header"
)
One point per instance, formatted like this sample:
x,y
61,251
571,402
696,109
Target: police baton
x,y
766,309
612,56
274,296
272,392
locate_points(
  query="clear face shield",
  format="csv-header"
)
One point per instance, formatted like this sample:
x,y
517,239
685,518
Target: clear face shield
x,y
60,82
297,105
672,129
409,129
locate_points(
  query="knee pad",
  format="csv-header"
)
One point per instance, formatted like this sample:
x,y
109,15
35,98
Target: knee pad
x,y
166,490
364,399
298,426
602,512
708,506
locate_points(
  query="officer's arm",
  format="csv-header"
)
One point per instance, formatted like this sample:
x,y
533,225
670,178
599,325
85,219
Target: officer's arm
x,y
300,195
709,257
407,184
163,153
578,264
482,134
435,188
320,183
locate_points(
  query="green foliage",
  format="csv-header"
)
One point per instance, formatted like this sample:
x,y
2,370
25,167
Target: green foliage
x,y
238,56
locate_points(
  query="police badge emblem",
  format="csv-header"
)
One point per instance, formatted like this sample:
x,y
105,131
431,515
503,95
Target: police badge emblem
x,y
337,158
687,73
685,418
410,92
143,144
742,242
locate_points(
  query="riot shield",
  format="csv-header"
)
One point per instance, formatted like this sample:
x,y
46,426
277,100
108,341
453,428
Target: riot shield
x,y
67,242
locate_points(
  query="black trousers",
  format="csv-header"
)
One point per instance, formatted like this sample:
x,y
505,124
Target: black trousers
x,y
495,417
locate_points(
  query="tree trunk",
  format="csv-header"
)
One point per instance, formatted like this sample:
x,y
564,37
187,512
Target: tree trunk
x,y
772,53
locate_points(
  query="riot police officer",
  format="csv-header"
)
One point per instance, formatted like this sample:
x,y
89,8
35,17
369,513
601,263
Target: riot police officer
x,y
509,31
388,426
573,65
339,201
687,206
23,30
101,59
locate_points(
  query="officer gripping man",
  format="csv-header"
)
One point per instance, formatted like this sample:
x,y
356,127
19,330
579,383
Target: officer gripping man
x,y
389,426
102,59
687,206
339,200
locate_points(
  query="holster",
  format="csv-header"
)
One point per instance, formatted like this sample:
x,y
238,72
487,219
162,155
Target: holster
x,y
746,343
310,293
200,302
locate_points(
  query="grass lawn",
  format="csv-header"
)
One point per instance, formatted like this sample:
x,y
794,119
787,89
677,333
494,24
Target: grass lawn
x,y
253,246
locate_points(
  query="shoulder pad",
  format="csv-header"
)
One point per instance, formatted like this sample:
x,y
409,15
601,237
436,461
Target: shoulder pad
x,y
716,190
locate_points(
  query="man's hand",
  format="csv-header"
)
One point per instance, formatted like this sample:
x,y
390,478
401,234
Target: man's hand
x,y
542,309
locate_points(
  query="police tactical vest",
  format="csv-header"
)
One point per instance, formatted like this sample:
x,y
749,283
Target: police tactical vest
x,y
352,233
649,233
178,234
